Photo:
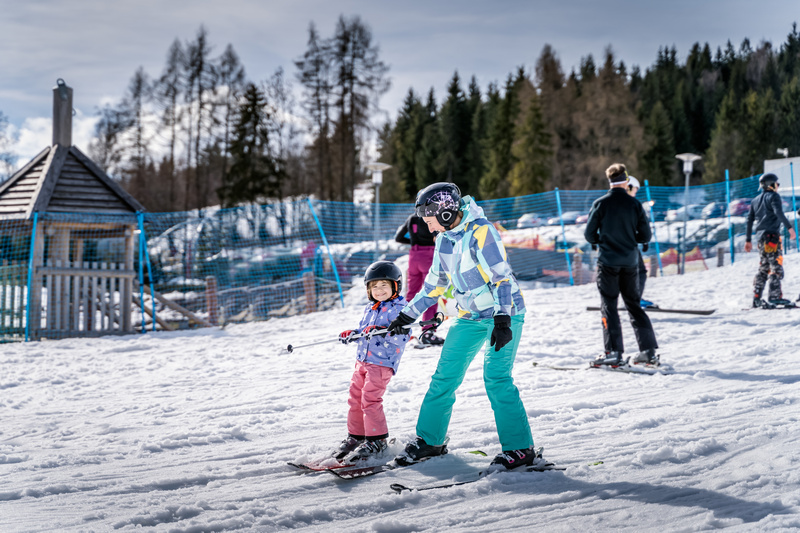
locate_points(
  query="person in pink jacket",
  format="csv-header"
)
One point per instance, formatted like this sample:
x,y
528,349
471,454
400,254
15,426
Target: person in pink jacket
x,y
378,357
415,232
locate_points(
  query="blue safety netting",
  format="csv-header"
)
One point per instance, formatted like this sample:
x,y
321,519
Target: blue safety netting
x,y
84,274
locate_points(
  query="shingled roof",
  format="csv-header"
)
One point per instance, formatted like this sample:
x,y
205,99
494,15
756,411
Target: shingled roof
x,y
63,180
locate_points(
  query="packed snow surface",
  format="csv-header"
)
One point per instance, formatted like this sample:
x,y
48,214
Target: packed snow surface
x,y
191,431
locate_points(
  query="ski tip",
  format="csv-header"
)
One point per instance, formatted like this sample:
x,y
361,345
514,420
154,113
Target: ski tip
x,y
399,489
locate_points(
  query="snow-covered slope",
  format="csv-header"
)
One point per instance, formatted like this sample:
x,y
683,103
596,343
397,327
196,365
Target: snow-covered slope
x,y
191,432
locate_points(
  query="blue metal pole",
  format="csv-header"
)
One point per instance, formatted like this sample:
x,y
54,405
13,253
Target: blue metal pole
x,y
328,248
564,236
794,208
653,221
30,277
141,270
730,224
143,249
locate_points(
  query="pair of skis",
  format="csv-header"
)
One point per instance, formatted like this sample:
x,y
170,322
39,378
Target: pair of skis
x,y
625,368
350,471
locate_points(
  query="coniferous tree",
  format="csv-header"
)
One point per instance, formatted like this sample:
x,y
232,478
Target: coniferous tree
x,y
314,74
426,170
255,173
454,131
167,91
533,152
201,81
500,160
658,157
474,166
359,79
231,80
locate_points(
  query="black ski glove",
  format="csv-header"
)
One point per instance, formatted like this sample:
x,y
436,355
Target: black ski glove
x,y
501,334
594,247
398,325
645,246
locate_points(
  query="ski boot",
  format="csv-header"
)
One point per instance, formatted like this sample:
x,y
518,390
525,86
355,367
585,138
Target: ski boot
x,y
646,304
509,460
758,302
613,359
367,450
429,338
346,447
418,450
646,357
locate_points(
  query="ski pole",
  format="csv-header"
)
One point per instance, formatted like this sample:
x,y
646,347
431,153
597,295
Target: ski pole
x,y
438,319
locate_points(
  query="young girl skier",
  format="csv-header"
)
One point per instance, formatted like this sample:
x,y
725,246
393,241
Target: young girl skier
x,y
377,359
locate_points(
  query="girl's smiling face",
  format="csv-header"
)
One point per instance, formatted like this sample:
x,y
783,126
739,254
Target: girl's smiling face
x,y
381,289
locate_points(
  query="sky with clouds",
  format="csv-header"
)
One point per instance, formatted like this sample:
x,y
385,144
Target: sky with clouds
x,y
96,45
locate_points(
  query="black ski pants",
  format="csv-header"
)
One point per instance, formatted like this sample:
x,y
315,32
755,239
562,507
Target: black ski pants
x,y
613,282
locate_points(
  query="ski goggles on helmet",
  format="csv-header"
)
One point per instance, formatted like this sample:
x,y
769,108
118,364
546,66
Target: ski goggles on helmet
x,y
436,204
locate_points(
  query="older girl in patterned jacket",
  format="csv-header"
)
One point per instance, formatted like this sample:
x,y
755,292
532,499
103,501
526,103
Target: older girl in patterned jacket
x,y
470,255
378,357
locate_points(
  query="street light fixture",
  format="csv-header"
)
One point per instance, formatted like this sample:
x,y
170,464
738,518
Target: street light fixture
x,y
688,162
783,151
377,178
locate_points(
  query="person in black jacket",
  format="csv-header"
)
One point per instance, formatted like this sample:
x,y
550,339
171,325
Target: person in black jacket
x,y
617,224
415,232
767,208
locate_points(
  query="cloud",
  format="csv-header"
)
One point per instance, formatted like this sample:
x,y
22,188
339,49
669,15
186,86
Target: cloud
x,y
36,134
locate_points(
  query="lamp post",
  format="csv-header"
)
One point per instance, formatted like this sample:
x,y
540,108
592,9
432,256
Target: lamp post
x,y
688,162
377,178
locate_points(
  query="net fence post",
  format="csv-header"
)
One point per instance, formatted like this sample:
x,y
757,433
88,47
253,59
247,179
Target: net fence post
x,y
653,221
564,236
141,269
730,224
328,248
794,208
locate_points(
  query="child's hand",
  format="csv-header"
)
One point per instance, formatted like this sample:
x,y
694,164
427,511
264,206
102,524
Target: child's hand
x,y
370,329
345,336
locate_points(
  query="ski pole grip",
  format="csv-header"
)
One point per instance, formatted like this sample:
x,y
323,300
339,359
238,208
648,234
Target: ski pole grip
x,y
435,321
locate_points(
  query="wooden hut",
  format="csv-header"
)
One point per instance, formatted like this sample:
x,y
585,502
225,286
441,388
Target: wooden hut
x,y
72,200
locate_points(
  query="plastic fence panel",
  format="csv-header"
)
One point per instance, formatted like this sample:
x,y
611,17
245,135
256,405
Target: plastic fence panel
x,y
86,274
243,264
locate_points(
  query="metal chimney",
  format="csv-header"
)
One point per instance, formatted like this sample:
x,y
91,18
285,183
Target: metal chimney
x,y
62,114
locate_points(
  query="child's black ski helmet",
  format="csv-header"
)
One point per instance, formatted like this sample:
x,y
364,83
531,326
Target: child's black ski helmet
x,y
384,270
768,180
441,200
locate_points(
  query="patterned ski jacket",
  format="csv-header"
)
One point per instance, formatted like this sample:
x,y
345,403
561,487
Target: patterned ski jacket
x,y
382,350
471,257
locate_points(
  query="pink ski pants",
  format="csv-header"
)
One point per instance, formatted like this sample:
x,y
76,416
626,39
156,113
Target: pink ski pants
x,y
367,386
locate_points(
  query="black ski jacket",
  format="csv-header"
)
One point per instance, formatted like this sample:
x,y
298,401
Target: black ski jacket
x,y
417,231
617,223
767,208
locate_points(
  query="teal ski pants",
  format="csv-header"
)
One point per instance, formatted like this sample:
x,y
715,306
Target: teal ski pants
x,y
464,340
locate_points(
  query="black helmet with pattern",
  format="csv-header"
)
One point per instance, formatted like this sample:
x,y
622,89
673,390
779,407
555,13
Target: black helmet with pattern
x,y
441,200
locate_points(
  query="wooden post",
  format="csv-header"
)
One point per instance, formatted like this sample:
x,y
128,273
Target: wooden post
x,y
310,289
577,269
653,266
720,256
126,300
212,305
36,284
